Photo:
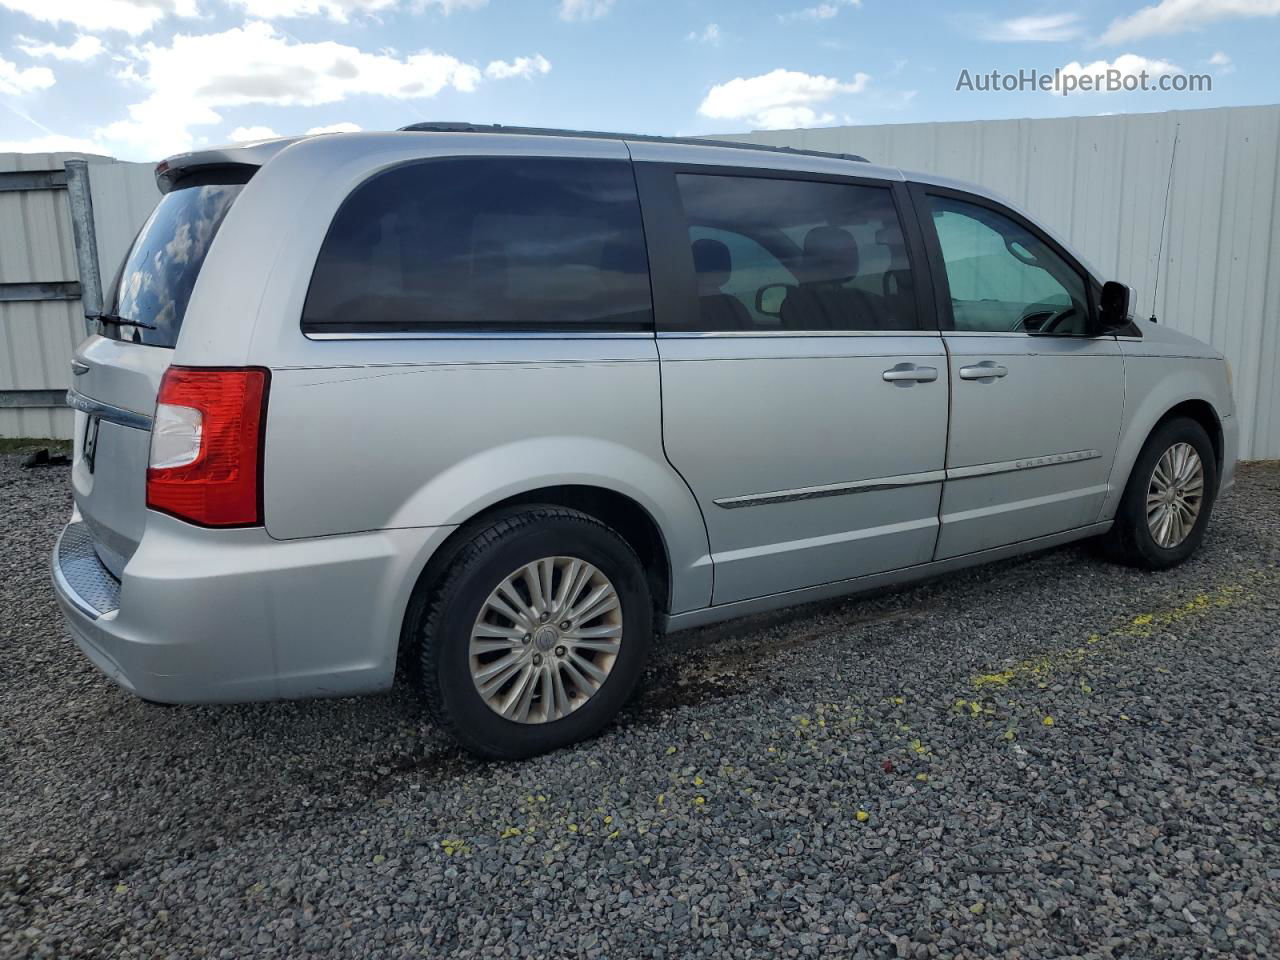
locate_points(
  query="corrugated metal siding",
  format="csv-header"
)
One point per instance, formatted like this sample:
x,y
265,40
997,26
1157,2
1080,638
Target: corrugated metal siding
x,y
1101,182
37,244
124,195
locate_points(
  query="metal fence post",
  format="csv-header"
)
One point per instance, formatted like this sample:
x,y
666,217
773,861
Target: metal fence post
x,y
86,239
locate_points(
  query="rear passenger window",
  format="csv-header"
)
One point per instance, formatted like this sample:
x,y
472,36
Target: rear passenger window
x,y
485,243
796,255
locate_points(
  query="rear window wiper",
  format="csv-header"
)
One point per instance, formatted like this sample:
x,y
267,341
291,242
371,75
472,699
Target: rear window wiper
x,y
114,320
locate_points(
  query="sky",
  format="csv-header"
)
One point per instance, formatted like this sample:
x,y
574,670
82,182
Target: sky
x,y
143,79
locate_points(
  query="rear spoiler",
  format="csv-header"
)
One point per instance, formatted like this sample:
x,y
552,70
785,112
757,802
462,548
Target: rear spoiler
x,y
239,160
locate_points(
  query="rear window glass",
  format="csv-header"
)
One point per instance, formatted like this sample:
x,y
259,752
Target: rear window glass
x,y
159,272
496,243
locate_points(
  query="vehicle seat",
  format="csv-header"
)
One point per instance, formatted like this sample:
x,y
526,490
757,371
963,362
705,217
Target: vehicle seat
x,y
822,301
713,264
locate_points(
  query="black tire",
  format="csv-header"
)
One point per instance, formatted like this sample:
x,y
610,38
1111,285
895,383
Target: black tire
x,y
1130,540
443,615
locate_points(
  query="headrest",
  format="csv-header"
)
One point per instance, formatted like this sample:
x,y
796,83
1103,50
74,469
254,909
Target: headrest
x,y
830,253
713,263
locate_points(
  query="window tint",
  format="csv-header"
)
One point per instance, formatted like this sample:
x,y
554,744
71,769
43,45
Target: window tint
x,y
797,255
485,243
1004,278
155,281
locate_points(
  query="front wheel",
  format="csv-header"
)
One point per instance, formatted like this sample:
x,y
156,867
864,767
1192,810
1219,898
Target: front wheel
x,y
535,635
1166,504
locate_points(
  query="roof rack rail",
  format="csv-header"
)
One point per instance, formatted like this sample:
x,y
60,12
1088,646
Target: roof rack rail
x,y
464,127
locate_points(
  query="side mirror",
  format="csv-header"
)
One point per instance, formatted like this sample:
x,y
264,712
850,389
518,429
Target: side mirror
x,y
1114,312
769,298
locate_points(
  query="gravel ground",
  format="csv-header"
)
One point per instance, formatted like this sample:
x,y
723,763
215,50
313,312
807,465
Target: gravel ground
x,y
1043,758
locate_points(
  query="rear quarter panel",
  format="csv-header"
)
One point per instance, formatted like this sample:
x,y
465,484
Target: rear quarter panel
x,y
440,435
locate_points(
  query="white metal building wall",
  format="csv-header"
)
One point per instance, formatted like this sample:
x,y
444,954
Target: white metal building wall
x,y
1101,182
37,245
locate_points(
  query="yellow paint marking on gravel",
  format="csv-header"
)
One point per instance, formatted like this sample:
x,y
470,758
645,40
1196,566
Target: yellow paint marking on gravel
x,y
1141,627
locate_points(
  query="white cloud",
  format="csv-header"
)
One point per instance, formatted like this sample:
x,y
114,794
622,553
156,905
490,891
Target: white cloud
x,y
52,143
782,98
345,127
192,77
1223,62
84,48
1127,64
1176,16
789,118
339,10
14,80
130,16
519,67
823,11
709,34
243,134
1050,28
584,9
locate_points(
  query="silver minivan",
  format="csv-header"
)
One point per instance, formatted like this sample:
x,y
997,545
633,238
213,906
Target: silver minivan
x,y
500,405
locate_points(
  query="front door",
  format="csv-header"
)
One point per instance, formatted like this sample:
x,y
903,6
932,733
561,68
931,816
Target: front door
x,y
1036,399
803,402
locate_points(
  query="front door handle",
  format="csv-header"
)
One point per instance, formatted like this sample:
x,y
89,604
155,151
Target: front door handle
x,y
986,370
910,373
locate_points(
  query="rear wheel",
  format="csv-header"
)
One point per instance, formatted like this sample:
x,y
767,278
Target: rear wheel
x,y
1166,504
535,634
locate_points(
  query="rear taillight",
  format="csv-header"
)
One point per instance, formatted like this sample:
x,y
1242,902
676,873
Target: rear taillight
x,y
206,446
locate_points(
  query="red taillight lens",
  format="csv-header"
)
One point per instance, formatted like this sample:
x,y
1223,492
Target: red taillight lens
x,y
206,446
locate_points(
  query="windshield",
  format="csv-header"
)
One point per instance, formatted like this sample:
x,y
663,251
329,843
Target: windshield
x,y
156,279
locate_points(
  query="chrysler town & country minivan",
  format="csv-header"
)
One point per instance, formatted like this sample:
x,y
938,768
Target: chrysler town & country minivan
x,y
502,405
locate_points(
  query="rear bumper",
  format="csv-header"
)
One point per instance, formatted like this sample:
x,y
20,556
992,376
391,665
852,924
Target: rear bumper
x,y
207,616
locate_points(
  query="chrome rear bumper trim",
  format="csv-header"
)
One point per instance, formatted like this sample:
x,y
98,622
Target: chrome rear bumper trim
x,y
108,412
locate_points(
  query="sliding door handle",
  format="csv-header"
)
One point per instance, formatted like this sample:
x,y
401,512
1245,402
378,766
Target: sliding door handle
x,y
910,373
986,370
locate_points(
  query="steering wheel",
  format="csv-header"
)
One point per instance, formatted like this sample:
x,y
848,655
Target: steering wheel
x,y
1052,319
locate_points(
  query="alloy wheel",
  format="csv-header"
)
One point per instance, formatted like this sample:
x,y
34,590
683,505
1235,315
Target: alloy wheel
x,y
1175,495
546,639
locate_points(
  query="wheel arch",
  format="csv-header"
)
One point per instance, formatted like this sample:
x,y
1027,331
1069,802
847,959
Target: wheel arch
x,y
1203,413
1157,408
632,521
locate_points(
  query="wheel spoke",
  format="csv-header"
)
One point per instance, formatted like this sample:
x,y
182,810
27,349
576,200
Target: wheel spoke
x,y
594,633
558,704
1161,478
517,613
568,577
1190,464
537,579
482,645
584,686
492,677
584,575
597,646
587,667
601,600
516,705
